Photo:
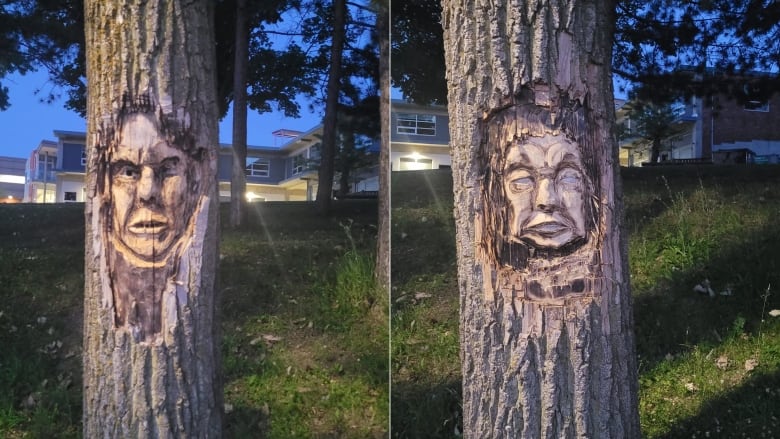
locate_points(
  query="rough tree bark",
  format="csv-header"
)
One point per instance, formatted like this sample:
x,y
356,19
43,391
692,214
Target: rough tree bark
x,y
547,345
328,150
238,176
151,354
382,269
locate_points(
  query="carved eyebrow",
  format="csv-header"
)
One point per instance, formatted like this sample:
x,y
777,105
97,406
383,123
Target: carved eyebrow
x,y
569,161
170,161
517,166
123,162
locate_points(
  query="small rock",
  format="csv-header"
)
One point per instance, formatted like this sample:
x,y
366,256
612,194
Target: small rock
x,y
722,362
228,408
773,313
750,364
691,387
704,288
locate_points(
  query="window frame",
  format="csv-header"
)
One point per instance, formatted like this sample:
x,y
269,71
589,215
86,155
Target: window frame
x,y
251,169
410,123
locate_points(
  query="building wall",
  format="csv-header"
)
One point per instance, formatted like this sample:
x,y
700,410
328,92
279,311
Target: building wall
x,y
732,126
441,135
12,179
69,186
71,157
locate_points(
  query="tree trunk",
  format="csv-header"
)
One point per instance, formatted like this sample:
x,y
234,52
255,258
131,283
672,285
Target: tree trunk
x,y
655,151
547,345
238,176
328,151
382,269
346,160
151,352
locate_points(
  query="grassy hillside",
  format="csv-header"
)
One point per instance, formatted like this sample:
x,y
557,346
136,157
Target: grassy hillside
x,y
708,366
304,328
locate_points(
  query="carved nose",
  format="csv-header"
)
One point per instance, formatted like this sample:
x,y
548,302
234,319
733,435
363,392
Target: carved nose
x,y
147,185
546,195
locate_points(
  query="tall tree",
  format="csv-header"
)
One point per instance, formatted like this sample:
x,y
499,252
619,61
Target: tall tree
x,y
382,267
151,345
547,344
328,149
241,59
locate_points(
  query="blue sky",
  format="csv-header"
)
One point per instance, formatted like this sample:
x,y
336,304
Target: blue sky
x,y
28,120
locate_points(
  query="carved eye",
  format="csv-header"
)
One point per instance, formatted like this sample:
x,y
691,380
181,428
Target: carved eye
x,y
521,182
127,171
569,178
169,168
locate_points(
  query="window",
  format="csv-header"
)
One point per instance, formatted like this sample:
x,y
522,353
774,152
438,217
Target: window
x,y
757,105
420,124
46,165
414,164
83,156
70,196
259,168
314,152
299,164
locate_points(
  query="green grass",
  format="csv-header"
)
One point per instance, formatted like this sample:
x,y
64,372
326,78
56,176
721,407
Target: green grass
x,y
685,225
304,327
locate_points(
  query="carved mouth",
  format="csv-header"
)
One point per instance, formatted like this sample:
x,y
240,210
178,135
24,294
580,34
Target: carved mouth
x,y
151,226
548,228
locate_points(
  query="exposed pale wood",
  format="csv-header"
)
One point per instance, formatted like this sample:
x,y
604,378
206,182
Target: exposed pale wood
x,y
151,358
546,324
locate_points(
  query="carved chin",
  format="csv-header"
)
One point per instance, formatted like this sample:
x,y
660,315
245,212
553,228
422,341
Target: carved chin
x,y
149,246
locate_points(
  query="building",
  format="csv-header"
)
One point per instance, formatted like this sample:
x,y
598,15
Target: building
x,y
419,137
12,179
55,170
719,130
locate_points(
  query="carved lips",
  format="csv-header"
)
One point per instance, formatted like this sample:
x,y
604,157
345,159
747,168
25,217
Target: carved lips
x,y
148,225
546,230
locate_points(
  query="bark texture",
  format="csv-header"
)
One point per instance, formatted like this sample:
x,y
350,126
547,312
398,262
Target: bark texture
x,y
382,271
547,344
151,356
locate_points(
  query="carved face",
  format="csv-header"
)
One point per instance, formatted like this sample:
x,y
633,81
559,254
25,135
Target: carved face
x,y
545,189
149,182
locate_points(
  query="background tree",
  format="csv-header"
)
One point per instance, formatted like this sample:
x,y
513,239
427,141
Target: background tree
x,y
328,148
417,51
663,49
151,344
653,124
358,73
382,267
546,324
238,174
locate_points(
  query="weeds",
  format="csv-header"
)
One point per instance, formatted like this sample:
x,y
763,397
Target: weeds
x,y
708,366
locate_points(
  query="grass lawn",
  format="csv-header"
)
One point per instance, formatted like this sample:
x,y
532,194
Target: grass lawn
x,y
304,327
709,367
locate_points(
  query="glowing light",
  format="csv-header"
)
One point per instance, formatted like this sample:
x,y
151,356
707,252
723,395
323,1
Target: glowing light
x,y
251,196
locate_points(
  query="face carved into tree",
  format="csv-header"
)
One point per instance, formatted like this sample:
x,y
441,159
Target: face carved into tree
x,y
538,236
544,185
149,179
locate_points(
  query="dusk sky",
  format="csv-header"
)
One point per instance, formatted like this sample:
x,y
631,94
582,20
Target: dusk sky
x,y
28,121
